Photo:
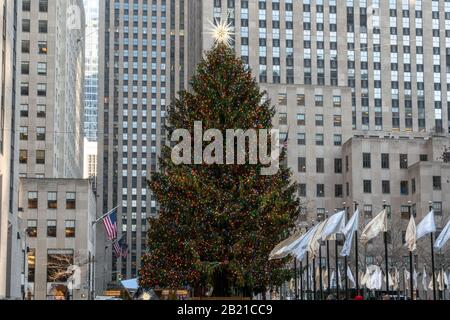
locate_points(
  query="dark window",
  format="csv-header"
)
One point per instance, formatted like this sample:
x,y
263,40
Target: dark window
x,y
320,190
337,165
32,228
52,202
385,161
386,186
32,199
70,229
366,160
437,183
367,186
70,200
320,165
51,228
301,164
404,188
338,190
302,190
403,161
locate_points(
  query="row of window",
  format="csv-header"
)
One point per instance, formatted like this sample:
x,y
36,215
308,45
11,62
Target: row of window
x,y
301,119
42,47
41,68
52,202
43,5
41,89
40,156
69,231
40,111
40,133
318,100
385,157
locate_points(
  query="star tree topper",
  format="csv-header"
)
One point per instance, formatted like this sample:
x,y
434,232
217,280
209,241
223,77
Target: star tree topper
x,y
221,31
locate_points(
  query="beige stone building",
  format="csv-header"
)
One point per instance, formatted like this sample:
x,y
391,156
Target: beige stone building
x,y
61,237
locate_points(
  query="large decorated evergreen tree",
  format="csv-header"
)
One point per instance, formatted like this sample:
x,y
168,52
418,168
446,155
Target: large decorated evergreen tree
x,y
217,224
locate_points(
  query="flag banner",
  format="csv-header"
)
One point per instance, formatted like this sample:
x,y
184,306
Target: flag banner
x,y
315,242
410,237
374,227
335,224
110,222
348,232
301,246
424,279
443,237
278,252
426,226
350,277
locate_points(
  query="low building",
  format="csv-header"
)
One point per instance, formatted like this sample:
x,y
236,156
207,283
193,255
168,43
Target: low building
x,y
59,215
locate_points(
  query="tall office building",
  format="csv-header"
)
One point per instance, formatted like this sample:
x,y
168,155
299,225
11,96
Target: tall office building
x,y
338,71
51,89
10,280
91,69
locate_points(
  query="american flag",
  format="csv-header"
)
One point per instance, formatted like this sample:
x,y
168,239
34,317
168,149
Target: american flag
x,y
110,222
117,250
120,248
285,142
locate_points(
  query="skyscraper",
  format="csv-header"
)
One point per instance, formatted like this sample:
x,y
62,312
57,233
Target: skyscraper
x,y
337,71
9,221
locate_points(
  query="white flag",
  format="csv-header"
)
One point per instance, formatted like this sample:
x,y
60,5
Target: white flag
x,y
406,275
300,247
426,226
410,237
315,242
443,236
335,224
348,232
374,227
350,277
424,279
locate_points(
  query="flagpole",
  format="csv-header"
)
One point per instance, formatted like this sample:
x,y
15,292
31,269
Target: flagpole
x,y
295,278
314,277
432,258
337,267
320,271
301,280
386,253
356,256
345,267
411,281
307,276
328,263
99,219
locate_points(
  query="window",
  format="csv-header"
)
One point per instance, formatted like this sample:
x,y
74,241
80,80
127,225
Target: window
x,y
32,199
403,161
337,101
385,161
337,138
404,212
43,5
25,67
337,165
25,25
318,100
52,202
338,190
40,110
23,133
24,88
25,46
51,228
320,214
70,200
366,161
437,207
320,165
319,139
367,186
301,119
24,110
301,164
300,99
404,188
437,183
302,190
282,118
368,211
282,99
32,228
42,26
423,157
42,45
386,187
42,68
413,186
320,190
40,156
337,121
70,229
301,139
23,156
40,133
41,89
26,5
319,120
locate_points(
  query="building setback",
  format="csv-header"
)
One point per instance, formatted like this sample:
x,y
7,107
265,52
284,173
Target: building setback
x,y
367,69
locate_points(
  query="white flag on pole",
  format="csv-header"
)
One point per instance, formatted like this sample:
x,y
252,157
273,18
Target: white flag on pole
x,y
300,248
410,237
374,227
335,224
350,277
314,242
424,279
426,226
443,236
348,232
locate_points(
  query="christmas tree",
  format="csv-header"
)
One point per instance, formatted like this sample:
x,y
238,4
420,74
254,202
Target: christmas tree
x,y
218,223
